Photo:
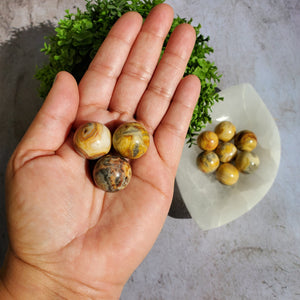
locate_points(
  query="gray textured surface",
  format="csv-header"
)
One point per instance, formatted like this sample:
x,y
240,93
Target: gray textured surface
x,y
258,255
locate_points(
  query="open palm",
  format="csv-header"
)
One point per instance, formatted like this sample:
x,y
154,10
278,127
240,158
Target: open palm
x,y
85,240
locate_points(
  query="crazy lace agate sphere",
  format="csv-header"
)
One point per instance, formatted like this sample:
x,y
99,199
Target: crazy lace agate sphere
x,y
226,152
208,161
208,140
92,140
225,131
112,173
131,140
247,162
227,174
245,140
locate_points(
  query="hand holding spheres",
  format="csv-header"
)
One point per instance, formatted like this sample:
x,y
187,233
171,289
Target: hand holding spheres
x,y
93,140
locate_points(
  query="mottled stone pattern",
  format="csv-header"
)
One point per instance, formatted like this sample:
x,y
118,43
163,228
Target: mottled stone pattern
x,y
208,161
225,131
208,140
112,173
131,140
247,162
92,140
245,140
226,151
227,174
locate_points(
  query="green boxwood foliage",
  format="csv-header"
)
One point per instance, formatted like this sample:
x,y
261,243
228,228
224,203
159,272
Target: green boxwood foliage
x,y
79,35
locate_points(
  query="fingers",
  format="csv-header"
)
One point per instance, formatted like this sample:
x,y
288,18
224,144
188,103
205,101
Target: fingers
x,y
124,65
142,60
168,74
170,135
97,85
51,126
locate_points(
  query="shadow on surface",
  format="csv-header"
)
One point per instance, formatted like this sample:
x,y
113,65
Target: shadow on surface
x,y
178,209
19,100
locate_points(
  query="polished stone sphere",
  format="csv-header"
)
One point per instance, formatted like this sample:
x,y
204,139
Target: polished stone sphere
x,y
207,140
247,162
92,140
226,152
245,140
208,161
131,140
227,174
225,131
112,173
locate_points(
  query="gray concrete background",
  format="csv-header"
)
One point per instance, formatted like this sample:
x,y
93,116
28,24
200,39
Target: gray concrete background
x,y
258,255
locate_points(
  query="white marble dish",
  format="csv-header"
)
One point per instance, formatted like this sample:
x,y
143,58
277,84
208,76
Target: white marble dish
x,y
210,203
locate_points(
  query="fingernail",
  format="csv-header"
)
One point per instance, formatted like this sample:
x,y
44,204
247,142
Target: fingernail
x,y
55,78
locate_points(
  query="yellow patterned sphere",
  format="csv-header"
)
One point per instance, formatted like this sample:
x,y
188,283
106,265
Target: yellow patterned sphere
x,y
226,152
208,161
247,162
131,140
225,131
208,140
245,140
92,140
227,174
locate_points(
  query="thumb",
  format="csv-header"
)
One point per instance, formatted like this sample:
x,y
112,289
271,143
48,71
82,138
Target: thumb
x,y
52,124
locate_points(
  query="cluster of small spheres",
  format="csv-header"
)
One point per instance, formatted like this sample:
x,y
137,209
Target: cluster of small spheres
x,y
227,152
112,172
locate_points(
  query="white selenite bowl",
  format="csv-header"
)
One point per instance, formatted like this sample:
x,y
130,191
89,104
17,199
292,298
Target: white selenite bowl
x,y
210,203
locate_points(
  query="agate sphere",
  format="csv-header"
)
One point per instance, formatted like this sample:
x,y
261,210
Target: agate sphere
x,y
131,140
245,140
247,162
227,174
112,173
92,140
208,140
226,152
225,131
208,161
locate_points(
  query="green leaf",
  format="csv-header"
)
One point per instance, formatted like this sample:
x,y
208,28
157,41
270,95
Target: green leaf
x,y
79,35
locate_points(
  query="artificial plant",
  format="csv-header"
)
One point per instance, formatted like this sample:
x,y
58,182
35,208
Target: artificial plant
x,y
79,35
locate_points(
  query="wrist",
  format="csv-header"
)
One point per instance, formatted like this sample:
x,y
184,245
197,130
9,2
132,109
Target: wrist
x,y
19,280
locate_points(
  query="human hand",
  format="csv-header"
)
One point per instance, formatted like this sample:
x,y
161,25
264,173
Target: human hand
x,y
67,238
